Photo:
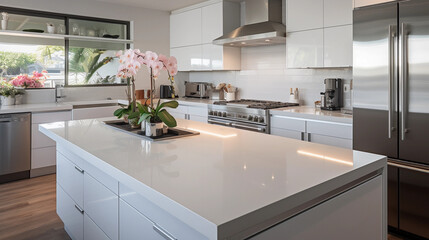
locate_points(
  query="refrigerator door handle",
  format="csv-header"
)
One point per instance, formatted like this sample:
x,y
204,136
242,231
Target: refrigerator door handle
x,y
404,79
392,37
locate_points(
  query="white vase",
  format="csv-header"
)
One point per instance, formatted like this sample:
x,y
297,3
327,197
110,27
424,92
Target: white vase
x,y
230,96
7,101
154,129
18,99
143,126
3,24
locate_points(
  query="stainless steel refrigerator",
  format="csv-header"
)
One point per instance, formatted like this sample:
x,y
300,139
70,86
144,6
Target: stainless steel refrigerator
x,y
391,103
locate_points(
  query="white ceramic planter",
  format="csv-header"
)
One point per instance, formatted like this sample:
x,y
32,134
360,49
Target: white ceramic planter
x,y
7,101
3,24
230,96
154,129
18,99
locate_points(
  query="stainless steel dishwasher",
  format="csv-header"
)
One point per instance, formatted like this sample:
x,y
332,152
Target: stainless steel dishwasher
x,y
15,146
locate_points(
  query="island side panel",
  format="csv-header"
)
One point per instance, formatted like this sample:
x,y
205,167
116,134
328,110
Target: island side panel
x,y
354,215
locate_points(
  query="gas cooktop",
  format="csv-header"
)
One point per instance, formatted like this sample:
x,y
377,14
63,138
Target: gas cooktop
x,y
256,104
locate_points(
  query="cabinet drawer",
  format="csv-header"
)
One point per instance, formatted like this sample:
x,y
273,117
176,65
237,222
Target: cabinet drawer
x,y
198,118
157,215
38,139
339,130
135,226
288,123
287,133
199,111
103,178
179,109
92,231
98,112
101,205
43,157
70,178
51,117
68,211
332,141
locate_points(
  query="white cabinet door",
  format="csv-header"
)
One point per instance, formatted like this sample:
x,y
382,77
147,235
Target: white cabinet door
x,y
332,141
70,178
334,134
92,231
70,214
212,22
40,140
43,157
101,205
185,28
188,58
338,12
363,3
198,118
304,15
135,226
338,51
305,49
287,133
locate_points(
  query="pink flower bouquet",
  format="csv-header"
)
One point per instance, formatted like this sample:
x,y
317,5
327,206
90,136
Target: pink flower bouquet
x,y
37,80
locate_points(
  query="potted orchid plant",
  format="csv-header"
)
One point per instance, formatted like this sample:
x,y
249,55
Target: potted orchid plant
x,y
153,118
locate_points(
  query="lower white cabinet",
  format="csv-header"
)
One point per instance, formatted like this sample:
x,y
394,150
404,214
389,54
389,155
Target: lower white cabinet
x,y
328,133
138,226
70,178
95,112
70,213
101,205
92,231
43,157
199,114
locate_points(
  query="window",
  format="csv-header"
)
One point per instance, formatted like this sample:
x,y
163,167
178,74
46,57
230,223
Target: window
x,y
73,50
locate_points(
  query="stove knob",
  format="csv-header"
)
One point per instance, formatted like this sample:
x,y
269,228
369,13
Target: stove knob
x,y
261,120
219,114
224,114
256,119
250,118
210,112
214,113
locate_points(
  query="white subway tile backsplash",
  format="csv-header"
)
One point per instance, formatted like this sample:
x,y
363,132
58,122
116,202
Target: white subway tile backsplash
x,y
264,76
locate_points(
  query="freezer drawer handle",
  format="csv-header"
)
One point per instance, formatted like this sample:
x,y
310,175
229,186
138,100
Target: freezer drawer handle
x,y
163,233
408,167
219,122
79,209
245,127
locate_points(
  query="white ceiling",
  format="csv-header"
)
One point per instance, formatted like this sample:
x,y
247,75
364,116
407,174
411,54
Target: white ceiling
x,y
164,5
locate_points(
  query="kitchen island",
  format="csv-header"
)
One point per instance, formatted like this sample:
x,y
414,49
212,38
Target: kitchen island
x,y
222,184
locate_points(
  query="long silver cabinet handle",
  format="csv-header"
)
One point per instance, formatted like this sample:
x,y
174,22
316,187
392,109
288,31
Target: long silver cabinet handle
x,y
392,36
79,169
163,233
403,79
219,122
408,167
258,129
79,209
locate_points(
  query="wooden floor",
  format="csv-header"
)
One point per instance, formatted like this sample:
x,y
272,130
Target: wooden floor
x,y
27,211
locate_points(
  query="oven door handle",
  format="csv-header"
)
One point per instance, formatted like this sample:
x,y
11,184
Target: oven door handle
x,y
246,127
228,124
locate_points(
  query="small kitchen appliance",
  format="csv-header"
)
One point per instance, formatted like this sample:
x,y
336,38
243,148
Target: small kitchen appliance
x,y
165,91
197,89
333,95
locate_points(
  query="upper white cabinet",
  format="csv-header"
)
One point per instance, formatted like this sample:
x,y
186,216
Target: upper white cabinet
x,y
363,3
304,15
337,13
192,31
319,33
185,28
338,46
305,49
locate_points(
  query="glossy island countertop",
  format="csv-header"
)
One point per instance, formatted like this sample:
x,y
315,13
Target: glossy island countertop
x,y
223,176
313,113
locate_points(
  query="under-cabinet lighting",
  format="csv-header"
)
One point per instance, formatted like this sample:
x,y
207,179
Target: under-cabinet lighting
x,y
213,134
325,157
267,40
243,43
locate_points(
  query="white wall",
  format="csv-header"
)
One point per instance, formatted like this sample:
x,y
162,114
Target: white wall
x,y
264,76
151,27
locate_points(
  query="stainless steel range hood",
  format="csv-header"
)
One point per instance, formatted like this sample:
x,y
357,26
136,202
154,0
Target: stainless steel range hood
x,y
263,25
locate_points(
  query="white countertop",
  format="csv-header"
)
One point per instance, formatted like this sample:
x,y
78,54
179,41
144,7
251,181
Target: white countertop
x,y
51,107
222,175
313,113
33,108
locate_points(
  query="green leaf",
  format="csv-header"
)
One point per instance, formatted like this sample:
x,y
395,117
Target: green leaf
x,y
119,112
169,104
144,117
167,118
133,115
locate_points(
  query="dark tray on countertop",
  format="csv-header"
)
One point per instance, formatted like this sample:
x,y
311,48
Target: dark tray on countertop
x,y
171,134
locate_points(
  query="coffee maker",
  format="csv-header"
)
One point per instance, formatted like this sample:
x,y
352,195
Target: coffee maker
x,y
332,98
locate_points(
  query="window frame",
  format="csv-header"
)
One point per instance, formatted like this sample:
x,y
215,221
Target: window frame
x,y
66,18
